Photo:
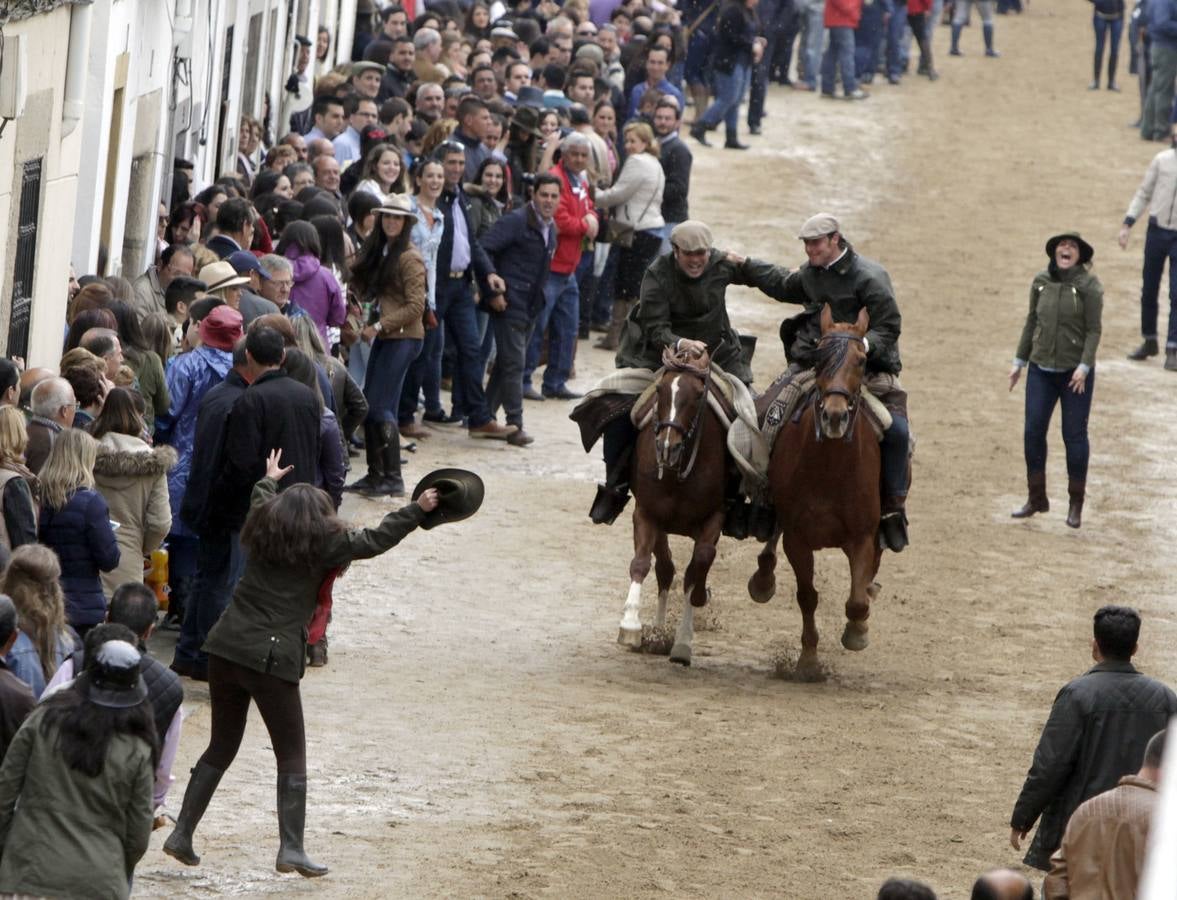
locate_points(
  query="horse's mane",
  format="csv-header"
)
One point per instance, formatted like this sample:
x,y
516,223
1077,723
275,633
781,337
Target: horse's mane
x,y
831,352
686,361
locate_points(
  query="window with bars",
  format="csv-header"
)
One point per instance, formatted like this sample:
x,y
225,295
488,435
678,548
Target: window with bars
x,y
26,259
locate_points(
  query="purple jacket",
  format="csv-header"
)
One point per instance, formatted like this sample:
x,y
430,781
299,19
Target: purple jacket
x,y
316,291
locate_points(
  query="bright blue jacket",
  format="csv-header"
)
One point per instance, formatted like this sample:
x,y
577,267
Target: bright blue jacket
x,y
189,378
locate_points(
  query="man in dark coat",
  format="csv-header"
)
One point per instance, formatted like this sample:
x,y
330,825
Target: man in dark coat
x,y
274,412
219,562
521,245
676,160
1098,729
837,276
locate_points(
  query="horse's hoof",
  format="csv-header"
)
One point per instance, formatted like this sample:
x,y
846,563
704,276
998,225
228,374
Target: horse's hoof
x,y
854,636
630,638
808,668
761,590
681,654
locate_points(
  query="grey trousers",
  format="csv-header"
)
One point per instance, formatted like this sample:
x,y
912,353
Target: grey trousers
x,y
505,387
1159,101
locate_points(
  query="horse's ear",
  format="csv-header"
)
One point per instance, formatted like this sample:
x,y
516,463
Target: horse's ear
x,y
827,318
863,322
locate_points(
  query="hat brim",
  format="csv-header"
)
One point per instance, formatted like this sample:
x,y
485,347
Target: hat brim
x,y
111,698
389,211
236,281
460,493
1086,251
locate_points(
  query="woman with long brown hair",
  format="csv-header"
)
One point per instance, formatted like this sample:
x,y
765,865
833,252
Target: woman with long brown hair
x,y
257,649
33,581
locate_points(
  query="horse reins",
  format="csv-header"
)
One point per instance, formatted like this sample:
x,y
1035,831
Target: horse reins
x,y
690,435
819,397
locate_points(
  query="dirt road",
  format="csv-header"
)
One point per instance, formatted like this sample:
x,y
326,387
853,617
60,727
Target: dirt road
x,y
479,733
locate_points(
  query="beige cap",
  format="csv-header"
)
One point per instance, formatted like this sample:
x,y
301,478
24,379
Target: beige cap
x,y
819,226
691,236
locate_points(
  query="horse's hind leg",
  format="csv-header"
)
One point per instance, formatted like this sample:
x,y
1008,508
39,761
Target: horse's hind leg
x,y
644,538
801,559
664,572
762,584
864,564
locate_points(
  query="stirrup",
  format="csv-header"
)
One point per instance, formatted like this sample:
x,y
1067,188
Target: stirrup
x,y
893,531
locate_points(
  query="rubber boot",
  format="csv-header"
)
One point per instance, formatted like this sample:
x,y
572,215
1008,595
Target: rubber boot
x,y
1037,501
375,461
955,49
391,485
613,336
1077,490
201,787
292,816
987,31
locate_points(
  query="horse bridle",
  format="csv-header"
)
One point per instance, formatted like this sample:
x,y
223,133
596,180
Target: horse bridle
x,y
852,400
690,435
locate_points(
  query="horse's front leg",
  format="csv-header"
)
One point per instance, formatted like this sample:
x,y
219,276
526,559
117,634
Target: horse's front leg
x,y
664,572
864,556
695,586
762,584
801,559
645,535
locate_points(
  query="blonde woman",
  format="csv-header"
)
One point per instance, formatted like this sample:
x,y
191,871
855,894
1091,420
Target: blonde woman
x,y
75,523
33,581
18,485
635,204
133,479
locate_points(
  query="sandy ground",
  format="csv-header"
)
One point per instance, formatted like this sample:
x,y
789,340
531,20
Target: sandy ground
x,y
479,733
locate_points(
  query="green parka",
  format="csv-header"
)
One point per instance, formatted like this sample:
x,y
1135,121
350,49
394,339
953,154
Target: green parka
x,y
1063,326
265,626
65,834
673,306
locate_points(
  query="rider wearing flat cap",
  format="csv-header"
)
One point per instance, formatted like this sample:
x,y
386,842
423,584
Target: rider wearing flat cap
x,y
681,306
836,275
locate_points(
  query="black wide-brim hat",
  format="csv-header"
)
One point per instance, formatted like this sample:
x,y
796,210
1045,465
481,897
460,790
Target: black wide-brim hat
x,y
1086,251
459,491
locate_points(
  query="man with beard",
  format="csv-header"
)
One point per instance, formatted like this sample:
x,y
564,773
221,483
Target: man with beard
x,y
676,160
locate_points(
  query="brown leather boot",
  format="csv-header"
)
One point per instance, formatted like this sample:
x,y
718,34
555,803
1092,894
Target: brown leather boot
x,y
1077,490
613,336
1037,501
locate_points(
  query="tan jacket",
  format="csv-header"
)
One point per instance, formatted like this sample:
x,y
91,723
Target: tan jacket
x,y
403,304
132,478
1158,192
1102,854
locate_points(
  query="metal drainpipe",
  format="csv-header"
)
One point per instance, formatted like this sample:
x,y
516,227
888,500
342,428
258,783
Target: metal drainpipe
x,y
77,64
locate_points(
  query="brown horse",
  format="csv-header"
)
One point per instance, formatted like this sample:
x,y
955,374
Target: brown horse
x,y
824,480
677,477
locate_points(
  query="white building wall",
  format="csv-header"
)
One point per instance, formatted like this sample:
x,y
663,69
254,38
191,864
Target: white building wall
x,y
38,133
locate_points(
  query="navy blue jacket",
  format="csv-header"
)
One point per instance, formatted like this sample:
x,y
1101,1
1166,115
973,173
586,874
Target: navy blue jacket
x,y
516,246
1162,23
81,535
451,201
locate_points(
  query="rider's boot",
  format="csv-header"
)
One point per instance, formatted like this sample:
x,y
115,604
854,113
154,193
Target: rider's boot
x,y
619,437
896,465
762,522
893,524
609,503
1037,501
735,518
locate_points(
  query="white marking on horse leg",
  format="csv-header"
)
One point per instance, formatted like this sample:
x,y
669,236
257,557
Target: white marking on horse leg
x,y
631,624
685,636
660,614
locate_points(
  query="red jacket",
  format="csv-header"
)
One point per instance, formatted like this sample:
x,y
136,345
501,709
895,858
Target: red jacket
x,y
843,13
570,223
915,7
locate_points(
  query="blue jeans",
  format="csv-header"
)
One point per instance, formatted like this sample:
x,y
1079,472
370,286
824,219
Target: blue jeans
x,y
560,317
219,563
384,381
839,56
1160,244
896,55
895,453
455,307
813,15
424,375
1045,390
729,91
868,37
1103,28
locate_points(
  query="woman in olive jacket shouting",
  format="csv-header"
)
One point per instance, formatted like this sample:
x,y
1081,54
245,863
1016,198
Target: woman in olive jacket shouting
x,y
1058,346
257,650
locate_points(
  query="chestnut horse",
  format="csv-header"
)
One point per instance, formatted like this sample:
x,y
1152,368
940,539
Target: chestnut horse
x,y
677,476
824,480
